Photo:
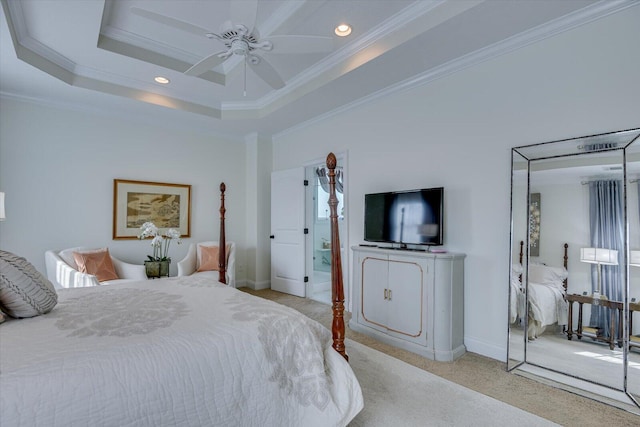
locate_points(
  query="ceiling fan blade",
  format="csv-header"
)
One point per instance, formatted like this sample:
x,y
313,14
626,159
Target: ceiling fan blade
x,y
172,22
301,44
266,72
244,12
206,64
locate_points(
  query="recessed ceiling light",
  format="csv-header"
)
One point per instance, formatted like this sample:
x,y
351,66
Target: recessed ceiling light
x,y
162,80
343,30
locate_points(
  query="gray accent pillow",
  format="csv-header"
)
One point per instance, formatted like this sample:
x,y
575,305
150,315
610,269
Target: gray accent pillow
x,y
24,292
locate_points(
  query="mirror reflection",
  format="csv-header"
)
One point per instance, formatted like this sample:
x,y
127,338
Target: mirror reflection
x,y
572,293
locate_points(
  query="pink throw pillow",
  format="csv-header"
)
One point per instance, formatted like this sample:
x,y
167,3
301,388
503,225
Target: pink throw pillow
x,y
96,262
209,257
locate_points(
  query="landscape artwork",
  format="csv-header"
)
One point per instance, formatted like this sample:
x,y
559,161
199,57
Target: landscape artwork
x,y
161,209
137,202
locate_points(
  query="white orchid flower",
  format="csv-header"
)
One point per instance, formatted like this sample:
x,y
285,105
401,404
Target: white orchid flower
x,y
149,229
157,241
160,243
172,233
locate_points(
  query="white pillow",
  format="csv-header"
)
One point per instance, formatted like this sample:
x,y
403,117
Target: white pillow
x,y
545,274
24,292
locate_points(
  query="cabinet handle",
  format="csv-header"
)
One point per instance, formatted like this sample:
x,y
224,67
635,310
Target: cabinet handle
x,y
389,294
386,293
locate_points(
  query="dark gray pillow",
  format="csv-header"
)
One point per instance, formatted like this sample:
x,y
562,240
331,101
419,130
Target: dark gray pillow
x,y
24,292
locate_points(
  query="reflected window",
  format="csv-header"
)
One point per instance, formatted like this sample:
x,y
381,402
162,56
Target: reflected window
x,y
322,194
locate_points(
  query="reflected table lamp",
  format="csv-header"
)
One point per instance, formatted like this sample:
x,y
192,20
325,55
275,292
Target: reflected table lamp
x,y
599,256
2,206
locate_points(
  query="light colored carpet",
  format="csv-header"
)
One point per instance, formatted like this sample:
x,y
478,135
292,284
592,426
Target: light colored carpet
x,y
396,393
481,374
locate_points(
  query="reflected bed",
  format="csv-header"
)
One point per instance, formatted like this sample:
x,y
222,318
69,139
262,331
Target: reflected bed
x,y
546,294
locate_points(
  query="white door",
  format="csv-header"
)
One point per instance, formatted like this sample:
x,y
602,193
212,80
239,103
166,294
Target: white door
x,y
287,231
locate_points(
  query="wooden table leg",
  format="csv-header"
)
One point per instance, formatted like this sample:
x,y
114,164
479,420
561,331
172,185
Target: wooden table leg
x,y
611,329
620,328
579,320
630,327
570,321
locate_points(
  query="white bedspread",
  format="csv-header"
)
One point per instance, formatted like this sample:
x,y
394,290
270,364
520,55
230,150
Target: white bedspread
x,y
547,304
172,352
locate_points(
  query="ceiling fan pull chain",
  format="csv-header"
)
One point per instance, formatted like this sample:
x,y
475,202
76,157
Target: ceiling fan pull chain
x,y
245,76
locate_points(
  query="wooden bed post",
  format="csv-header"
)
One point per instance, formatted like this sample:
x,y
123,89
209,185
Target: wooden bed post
x,y
337,290
222,245
521,255
566,263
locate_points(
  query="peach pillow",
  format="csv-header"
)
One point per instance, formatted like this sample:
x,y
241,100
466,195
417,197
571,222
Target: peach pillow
x,y
209,258
96,262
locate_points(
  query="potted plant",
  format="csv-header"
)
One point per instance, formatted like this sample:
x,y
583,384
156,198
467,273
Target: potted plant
x,y
158,264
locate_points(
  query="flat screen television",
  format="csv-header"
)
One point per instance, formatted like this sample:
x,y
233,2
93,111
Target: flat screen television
x,y
412,217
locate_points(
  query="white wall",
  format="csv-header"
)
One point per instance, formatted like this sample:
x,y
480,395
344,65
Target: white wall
x,y
57,169
457,132
258,213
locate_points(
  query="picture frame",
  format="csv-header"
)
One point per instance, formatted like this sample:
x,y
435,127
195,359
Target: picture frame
x,y
534,225
136,202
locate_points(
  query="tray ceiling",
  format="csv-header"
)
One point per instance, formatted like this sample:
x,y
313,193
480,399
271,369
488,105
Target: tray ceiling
x,y
104,55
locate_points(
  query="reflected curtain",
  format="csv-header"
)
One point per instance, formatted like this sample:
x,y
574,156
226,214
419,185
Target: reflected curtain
x,y
606,224
323,178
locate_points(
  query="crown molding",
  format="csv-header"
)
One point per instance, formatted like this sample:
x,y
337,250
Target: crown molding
x,y
40,56
552,28
99,111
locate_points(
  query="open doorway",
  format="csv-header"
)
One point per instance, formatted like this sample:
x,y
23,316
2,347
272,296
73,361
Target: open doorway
x,y
318,252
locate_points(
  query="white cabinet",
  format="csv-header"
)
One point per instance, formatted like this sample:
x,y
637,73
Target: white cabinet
x,y
410,299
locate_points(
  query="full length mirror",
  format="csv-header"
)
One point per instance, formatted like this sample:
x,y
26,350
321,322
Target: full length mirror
x,y
632,155
572,287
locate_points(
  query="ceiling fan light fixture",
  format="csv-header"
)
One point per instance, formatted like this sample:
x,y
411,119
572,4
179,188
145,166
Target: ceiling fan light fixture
x,y
343,30
240,47
162,80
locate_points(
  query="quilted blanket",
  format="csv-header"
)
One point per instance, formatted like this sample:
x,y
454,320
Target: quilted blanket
x,y
180,351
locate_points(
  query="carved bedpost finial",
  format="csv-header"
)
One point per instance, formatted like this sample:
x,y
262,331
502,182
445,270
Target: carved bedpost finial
x,y
331,161
223,187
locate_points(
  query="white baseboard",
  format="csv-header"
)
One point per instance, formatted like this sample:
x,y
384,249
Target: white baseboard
x,y
256,286
485,349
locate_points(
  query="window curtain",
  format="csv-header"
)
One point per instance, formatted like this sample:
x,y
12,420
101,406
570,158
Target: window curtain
x,y
607,231
323,178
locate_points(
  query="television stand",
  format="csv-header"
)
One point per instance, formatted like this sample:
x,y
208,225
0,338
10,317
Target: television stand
x,y
411,299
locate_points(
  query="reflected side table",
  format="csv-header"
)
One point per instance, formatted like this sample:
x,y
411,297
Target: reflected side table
x,y
615,306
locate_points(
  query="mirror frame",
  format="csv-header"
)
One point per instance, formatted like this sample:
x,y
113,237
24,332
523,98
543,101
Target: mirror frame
x,y
621,141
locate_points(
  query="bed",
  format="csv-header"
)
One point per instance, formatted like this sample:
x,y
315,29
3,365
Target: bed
x,y
177,351
546,295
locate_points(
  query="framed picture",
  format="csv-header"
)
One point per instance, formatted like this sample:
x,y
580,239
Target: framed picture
x,y
534,225
136,202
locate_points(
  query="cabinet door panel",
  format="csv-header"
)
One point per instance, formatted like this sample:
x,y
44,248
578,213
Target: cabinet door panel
x,y
375,273
405,309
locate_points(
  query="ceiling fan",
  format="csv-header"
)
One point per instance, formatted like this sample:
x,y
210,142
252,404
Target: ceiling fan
x,y
240,37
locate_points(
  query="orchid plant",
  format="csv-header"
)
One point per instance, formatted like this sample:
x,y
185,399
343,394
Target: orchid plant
x,y
160,242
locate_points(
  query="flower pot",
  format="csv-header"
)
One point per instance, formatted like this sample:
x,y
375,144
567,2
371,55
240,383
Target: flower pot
x,y
157,268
